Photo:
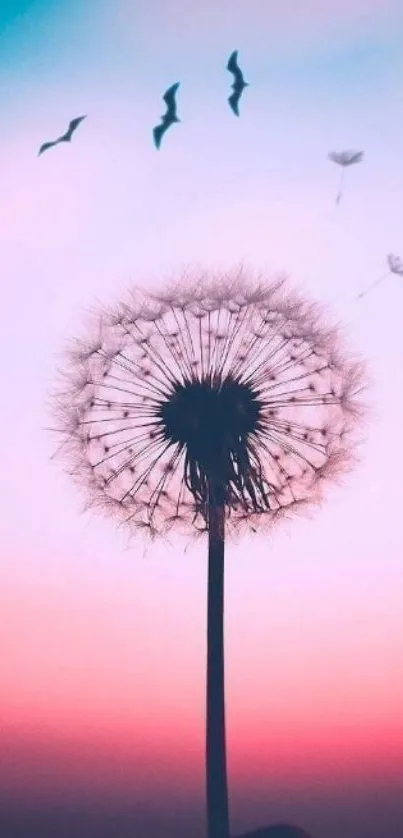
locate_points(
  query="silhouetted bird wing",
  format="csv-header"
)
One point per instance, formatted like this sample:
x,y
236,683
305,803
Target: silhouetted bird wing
x,y
45,146
158,133
234,101
170,101
72,127
233,67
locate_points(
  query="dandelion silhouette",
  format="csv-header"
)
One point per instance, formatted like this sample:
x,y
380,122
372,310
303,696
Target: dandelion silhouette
x,y
217,405
344,159
395,265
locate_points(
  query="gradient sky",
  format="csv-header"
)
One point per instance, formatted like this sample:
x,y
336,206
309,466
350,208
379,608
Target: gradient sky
x,y
103,646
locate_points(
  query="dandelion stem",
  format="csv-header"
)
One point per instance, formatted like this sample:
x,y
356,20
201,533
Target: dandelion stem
x,y
374,284
338,199
216,769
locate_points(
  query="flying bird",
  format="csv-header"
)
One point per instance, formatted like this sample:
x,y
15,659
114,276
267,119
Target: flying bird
x,y
65,138
395,265
344,159
169,117
239,82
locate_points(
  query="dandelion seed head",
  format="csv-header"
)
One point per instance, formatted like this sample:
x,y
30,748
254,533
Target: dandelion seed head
x,y
395,264
225,390
346,158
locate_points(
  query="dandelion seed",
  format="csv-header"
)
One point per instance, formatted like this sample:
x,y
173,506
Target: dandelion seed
x,y
344,159
395,265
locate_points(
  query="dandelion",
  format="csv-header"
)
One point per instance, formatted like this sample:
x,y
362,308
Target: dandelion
x,y
395,265
218,405
344,159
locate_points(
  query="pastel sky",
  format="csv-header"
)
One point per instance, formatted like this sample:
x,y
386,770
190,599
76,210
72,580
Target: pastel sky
x,y
103,646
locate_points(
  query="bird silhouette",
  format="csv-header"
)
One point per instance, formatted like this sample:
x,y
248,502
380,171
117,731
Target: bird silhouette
x,y
169,117
239,82
65,138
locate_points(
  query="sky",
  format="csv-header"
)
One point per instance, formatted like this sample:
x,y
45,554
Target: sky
x,y
103,643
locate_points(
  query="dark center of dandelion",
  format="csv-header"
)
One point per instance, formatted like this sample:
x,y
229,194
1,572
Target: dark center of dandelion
x,y
212,420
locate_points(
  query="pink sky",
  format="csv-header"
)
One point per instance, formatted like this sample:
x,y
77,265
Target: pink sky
x,y
103,647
